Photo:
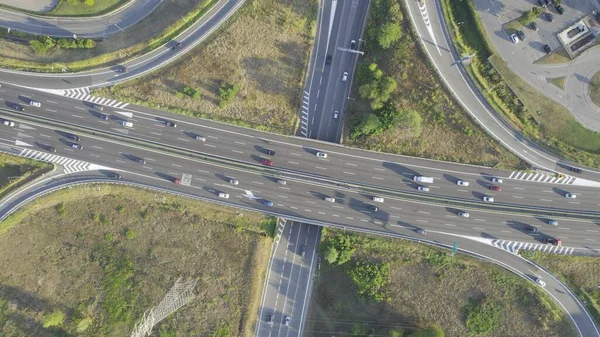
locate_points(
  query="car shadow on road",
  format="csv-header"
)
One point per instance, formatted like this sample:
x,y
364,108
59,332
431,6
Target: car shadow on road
x,y
165,176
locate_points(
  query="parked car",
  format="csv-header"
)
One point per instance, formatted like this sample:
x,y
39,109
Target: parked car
x,y
345,77
547,49
560,10
521,35
267,162
533,25
549,17
495,188
321,154
514,38
462,183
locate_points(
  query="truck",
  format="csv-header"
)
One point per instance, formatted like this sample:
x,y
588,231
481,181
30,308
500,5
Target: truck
x,y
423,179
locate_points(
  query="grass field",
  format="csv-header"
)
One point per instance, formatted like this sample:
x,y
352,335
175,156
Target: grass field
x,y
16,171
581,274
557,56
428,287
78,7
91,266
264,50
595,89
559,82
447,132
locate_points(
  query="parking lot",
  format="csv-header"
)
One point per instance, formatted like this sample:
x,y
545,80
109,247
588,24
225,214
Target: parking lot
x,y
496,14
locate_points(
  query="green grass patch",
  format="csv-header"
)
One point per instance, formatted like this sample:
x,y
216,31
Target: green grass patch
x,y
558,56
513,26
595,89
559,82
17,171
86,7
483,317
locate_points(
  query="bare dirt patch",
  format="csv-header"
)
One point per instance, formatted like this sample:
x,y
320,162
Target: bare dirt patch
x,y
103,255
263,49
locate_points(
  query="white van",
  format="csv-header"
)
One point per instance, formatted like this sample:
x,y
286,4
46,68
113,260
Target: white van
x,y
127,124
423,179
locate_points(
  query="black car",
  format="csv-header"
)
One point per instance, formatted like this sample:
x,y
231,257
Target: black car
x,y
521,35
547,49
103,116
73,137
19,108
560,10
121,69
140,161
50,149
270,152
547,2
352,44
542,3
549,17
114,175
532,230
373,208
328,59
533,25
177,45
575,169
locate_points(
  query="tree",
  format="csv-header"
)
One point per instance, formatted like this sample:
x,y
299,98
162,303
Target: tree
x,y
371,279
408,120
389,33
330,254
56,318
432,331
227,93
530,15
367,126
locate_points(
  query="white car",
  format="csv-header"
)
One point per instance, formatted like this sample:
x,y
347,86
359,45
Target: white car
x,y
335,114
462,183
127,124
281,182
9,123
233,181
497,180
488,199
321,154
570,196
464,214
223,195
377,199
423,188
345,77
330,199
34,103
200,138
514,38
287,321
539,281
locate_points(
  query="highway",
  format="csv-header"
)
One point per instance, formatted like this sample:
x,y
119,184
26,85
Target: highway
x,y
289,280
341,22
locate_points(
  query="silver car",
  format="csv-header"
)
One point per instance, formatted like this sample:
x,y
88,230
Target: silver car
x,y
345,77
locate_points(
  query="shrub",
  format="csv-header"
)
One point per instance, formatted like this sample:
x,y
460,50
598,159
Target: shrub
x,y
56,318
191,92
483,317
371,280
227,93
331,254
368,125
378,89
89,2
530,15
121,209
432,331
130,234
388,33
108,237
61,208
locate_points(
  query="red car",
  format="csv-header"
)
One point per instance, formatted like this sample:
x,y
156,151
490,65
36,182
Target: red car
x,y
267,162
178,181
495,188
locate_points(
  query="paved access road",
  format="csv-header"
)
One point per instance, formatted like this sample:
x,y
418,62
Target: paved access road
x,y
58,82
289,280
341,24
89,27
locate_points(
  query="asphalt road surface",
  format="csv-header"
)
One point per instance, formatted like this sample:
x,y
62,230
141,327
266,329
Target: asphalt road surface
x,y
288,280
341,22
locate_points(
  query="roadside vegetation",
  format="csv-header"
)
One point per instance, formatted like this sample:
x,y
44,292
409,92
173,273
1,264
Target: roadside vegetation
x,y
547,123
595,89
375,286
91,266
86,7
581,274
249,73
401,105
17,171
559,82
156,30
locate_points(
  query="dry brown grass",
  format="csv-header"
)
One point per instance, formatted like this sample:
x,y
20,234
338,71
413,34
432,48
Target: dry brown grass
x,y
264,49
52,261
423,293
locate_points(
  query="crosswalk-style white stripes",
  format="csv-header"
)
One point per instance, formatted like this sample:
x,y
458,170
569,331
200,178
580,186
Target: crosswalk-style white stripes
x,y
542,177
280,225
304,119
84,95
513,246
70,165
